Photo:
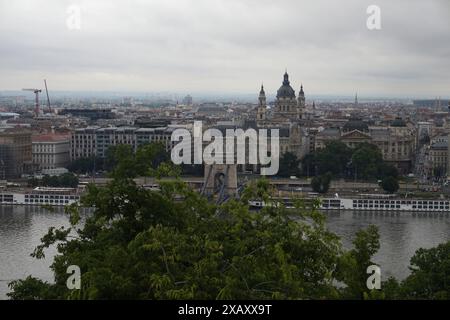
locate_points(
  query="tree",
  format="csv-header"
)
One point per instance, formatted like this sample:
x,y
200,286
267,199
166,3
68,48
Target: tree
x,y
33,182
439,172
366,160
309,164
193,170
430,274
390,184
86,165
289,165
68,180
321,184
150,155
363,162
175,244
123,157
30,289
353,264
142,244
50,181
152,247
387,170
122,161
333,158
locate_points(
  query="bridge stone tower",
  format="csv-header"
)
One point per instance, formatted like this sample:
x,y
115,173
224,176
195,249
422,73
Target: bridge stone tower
x,y
220,180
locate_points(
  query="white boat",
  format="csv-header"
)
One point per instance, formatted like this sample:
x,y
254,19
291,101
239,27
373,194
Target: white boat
x,y
41,196
372,204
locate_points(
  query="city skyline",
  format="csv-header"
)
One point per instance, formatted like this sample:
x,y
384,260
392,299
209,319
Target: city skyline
x,y
227,47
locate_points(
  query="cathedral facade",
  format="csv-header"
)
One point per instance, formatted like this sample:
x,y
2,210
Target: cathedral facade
x,y
288,108
286,116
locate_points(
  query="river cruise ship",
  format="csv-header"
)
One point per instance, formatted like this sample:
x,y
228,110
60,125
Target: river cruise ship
x,y
41,196
371,203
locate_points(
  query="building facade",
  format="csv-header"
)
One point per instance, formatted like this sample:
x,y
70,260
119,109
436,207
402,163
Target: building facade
x,y
397,141
436,165
95,141
15,153
51,151
286,116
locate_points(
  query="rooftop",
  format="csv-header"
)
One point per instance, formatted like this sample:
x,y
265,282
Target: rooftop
x,y
50,138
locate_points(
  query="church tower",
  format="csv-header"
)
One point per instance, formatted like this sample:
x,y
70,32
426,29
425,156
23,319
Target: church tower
x,y
301,103
448,144
262,106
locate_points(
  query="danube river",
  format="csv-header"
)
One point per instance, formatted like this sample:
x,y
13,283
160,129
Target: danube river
x,y
401,235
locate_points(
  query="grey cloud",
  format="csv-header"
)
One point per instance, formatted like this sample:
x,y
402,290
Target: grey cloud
x,y
228,45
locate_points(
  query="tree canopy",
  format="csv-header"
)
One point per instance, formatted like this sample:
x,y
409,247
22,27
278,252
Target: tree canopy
x,y
321,184
66,180
364,162
175,244
289,165
390,184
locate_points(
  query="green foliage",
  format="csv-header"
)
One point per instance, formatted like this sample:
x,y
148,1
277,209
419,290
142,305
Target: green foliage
x,y
439,172
289,165
387,170
429,278
367,160
141,244
321,184
430,274
151,156
86,165
390,184
127,164
333,158
66,180
175,244
30,289
364,162
33,182
193,170
354,263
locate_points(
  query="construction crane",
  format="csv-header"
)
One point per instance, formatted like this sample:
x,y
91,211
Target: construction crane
x,y
48,98
36,105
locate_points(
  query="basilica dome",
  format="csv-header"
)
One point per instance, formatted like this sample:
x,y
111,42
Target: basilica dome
x,y
286,90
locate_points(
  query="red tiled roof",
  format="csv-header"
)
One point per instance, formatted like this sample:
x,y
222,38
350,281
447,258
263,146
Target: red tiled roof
x,y
50,138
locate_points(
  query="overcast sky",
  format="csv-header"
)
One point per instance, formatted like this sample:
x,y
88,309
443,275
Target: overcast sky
x,y
228,46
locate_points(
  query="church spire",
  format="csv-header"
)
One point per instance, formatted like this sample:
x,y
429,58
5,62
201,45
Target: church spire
x,y
262,97
286,79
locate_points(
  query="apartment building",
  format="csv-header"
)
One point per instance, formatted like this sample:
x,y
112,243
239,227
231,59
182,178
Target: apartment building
x,y
95,141
15,153
51,151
